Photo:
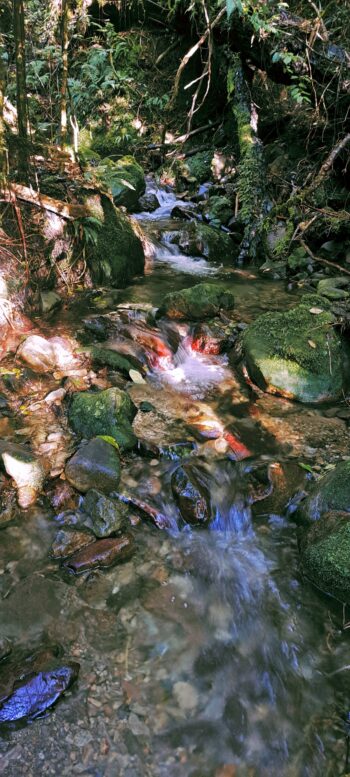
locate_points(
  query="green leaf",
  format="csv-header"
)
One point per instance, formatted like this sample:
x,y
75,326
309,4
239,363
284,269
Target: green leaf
x,y
305,466
109,439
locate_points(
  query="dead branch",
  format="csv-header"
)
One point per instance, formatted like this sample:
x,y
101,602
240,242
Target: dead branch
x,y
326,262
67,210
192,51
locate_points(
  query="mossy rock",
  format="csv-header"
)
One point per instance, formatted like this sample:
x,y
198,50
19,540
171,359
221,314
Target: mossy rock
x,y
125,179
107,357
199,302
325,555
198,239
199,166
117,254
296,354
331,492
108,413
218,209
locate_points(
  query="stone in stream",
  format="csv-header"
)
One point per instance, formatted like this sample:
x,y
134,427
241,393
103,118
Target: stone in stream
x,y
69,541
331,492
122,356
325,554
125,179
297,354
29,686
213,337
107,515
5,647
38,353
95,464
198,239
148,203
103,553
26,470
108,412
49,301
191,495
196,303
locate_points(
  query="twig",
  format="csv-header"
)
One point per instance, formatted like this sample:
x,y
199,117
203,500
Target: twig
x,y
192,51
318,259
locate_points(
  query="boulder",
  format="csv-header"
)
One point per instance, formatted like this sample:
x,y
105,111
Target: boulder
x,y
103,553
38,353
107,515
49,301
213,337
117,254
297,354
26,470
95,464
218,209
125,179
196,303
191,495
331,492
325,554
108,412
148,203
198,239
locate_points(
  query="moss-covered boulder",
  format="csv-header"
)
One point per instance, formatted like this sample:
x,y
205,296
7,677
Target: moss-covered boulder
x,y
199,302
108,413
116,255
199,166
297,354
197,239
325,554
125,179
330,492
218,210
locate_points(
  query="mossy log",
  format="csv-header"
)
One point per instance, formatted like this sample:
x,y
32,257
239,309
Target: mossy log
x,y
251,170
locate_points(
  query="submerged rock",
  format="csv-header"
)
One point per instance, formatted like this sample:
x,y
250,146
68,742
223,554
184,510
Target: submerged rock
x,y
49,301
191,495
30,686
297,354
103,553
325,554
330,492
107,515
25,469
95,464
196,303
108,412
68,541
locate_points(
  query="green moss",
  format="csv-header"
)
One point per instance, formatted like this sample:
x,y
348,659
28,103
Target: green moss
x,y
125,179
218,209
199,302
118,254
325,556
108,412
331,492
296,353
198,239
108,357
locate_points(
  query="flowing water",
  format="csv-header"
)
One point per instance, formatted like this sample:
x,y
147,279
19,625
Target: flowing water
x,y
206,654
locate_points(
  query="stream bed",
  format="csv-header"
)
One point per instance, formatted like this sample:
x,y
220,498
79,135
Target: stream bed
x,y
206,654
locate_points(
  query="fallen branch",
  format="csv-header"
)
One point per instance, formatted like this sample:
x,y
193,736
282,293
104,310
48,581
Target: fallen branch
x,y
64,209
318,259
192,51
326,166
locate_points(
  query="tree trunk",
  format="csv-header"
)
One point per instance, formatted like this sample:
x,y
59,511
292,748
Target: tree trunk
x,y
3,161
22,110
251,171
64,77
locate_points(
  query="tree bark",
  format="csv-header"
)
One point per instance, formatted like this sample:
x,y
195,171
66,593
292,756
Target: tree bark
x,y
64,76
3,160
22,108
251,171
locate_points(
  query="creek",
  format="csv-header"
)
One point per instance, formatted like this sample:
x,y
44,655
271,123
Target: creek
x,y
206,654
